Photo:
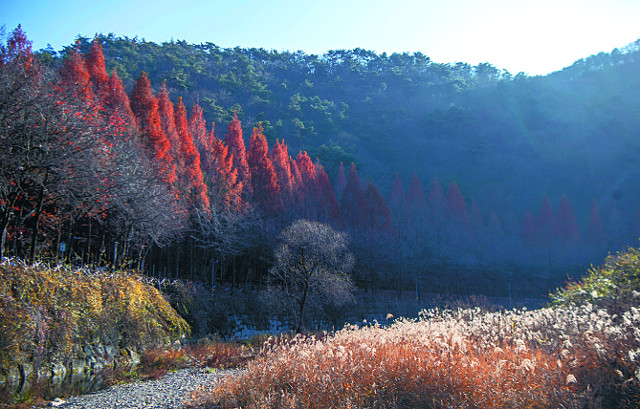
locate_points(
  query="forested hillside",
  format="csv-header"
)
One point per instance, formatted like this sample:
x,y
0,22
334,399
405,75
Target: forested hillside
x,y
461,172
506,139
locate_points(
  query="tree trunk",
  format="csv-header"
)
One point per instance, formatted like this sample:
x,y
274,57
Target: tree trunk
x,y
5,226
303,301
88,244
68,248
36,227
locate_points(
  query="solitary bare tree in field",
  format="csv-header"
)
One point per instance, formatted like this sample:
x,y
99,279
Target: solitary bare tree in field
x,y
312,267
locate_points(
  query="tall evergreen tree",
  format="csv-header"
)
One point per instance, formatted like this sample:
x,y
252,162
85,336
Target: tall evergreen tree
x,y
475,217
281,163
595,231
341,182
308,188
355,209
329,208
547,227
379,212
76,78
568,229
236,146
145,107
397,201
228,190
191,180
416,201
96,66
201,138
117,101
263,176
168,123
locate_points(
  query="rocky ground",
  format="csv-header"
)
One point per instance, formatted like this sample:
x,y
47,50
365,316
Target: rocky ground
x,y
172,391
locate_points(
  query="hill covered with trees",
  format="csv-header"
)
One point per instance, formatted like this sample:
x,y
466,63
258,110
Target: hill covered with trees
x,y
525,178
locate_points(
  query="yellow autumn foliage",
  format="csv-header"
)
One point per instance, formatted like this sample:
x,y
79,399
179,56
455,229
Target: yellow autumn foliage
x,y
50,313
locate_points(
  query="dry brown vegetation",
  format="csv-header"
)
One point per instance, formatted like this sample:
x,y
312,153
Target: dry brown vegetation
x,y
553,357
584,352
156,362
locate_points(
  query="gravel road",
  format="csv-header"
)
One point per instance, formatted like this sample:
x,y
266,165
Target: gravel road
x,y
172,391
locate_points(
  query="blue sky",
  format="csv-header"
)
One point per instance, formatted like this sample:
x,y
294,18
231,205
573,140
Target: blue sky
x,y
535,37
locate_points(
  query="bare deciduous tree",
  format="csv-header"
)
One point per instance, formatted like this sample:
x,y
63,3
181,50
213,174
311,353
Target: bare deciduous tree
x,y
312,267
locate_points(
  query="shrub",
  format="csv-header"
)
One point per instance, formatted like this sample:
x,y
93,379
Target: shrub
x,y
615,285
50,313
157,361
219,355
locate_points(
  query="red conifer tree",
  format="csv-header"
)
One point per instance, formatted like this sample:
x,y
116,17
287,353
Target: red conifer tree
x,y
201,138
296,181
282,166
379,212
308,187
416,201
116,110
263,176
168,123
397,201
145,107
456,206
96,66
236,146
228,190
118,100
191,181
18,50
329,209
547,227
475,216
595,231
354,203
341,182
76,77
568,229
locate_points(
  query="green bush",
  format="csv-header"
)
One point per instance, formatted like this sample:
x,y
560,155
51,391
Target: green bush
x,y
615,285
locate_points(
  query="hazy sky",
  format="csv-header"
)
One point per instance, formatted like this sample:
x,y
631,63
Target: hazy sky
x,y
533,36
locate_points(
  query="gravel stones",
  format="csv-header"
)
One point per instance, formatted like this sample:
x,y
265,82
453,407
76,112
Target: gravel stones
x,y
172,391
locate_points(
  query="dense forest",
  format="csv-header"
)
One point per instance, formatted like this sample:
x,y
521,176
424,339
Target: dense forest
x,y
121,152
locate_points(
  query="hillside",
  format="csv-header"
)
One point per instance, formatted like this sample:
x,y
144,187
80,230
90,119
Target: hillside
x,y
190,159
489,130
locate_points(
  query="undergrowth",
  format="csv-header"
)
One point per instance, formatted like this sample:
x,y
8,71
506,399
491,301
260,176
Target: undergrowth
x,y
156,362
50,312
615,285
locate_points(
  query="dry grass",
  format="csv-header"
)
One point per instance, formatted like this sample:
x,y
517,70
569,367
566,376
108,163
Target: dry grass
x,y
220,355
158,361
548,358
